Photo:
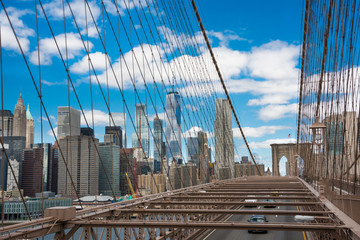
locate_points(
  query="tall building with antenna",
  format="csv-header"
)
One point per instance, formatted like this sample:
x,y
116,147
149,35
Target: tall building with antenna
x,y
173,126
142,129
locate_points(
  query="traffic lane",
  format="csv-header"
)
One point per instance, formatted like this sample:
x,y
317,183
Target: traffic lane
x,y
243,234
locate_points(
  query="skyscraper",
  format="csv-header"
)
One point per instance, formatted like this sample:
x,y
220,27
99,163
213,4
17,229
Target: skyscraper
x,y
68,122
114,134
158,146
142,129
203,157
8,122
30,128
83,164
110,157
193,150
78,151
224,144
46,163
127,165
174,180
31,171
14,146
19,127
173,126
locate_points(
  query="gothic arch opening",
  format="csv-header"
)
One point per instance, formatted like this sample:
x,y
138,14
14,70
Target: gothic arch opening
x,y
283,163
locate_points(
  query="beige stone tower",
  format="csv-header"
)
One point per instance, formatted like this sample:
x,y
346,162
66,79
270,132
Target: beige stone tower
x,y
19,127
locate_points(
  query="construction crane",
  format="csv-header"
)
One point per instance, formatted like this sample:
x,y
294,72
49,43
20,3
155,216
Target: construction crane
x,y
130,185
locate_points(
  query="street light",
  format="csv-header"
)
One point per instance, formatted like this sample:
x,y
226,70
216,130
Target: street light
x,y
318,141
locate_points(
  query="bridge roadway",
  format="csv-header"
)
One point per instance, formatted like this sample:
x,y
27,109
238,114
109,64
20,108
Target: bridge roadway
x,y
244,235
193,213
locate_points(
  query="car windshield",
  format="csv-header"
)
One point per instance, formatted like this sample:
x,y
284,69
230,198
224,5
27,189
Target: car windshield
x,y
258,220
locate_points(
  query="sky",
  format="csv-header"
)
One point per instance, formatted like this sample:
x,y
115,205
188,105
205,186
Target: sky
x,y
256,44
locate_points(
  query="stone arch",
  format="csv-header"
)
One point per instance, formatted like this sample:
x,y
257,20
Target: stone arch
x,y
287,150
285,161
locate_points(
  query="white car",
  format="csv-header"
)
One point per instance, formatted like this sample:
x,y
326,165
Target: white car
x,y
251,201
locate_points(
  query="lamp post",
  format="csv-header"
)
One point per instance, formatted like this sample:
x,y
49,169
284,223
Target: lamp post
x,y
319,144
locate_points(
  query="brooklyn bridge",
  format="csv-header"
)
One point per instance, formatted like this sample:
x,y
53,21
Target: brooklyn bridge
x,y
148,69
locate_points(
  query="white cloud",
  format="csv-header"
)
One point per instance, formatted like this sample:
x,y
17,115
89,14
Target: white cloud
x,y
48,48
272,112
275,60
139,74
192,132
50,133
52,118
23,32
225,37
175,40
102,118
267,143
53,83
258,131
97,59
54,10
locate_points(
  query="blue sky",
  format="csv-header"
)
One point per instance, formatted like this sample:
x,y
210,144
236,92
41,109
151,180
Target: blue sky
x,y
256,44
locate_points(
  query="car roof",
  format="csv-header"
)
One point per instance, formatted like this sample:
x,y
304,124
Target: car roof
x,y
258,216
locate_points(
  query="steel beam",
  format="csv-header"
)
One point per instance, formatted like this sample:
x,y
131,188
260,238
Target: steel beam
x,y
211,225
245,193
246,197
223,211
219,203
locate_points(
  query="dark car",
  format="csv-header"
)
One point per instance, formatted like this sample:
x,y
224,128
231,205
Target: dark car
x,y
269,201
257,219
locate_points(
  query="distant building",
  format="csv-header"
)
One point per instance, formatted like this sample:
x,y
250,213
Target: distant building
x,y
188,175
173,126
248,169
32,171
143,167
244,159
193,150
158,144
14,210
110,157
83,164
19,126
30,128
224,143
141,136
203,157
268,172
11,183
68,122
53,169
46,162
152,184
174,180
14,146
8,122
87,131
127,165
114,134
